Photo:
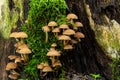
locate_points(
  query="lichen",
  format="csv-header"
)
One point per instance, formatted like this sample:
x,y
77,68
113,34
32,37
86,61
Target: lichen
x,y
106,34
8,19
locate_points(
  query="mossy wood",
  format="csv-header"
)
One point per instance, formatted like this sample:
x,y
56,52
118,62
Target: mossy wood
x,y
101,22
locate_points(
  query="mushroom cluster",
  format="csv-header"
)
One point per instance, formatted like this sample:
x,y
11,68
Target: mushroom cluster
x,y
68,34
20,57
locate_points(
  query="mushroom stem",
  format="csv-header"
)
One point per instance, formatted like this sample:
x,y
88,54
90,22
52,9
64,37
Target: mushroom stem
x,y
46,40
56,34
21,40
64,42
53,59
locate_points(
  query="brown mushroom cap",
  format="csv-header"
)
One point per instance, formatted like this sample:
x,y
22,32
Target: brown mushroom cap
x,y
64,37
11,65
52,48
46,29
69,32
57,64
68,47
17,44
78,24
47,69
56,30
40,66
74,41
13,76
64,26
14,34
11,57
22,46
71,16
52,23
18,35
24,51
18,59
14,72
45,64
53,53
79,35
54,45
22,35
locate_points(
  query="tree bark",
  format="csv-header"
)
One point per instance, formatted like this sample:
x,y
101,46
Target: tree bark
x,y
89,57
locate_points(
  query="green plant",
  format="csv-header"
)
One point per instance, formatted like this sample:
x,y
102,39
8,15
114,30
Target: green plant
x,y
96,76
115,65
40,13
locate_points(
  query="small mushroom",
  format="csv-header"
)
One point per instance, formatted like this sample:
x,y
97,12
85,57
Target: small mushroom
x,y
69,32
18,60
68,47
64,38
52,54
11,57
70,18
11,65
73,41
20,35
46,29
53,45
57,64
40,66
64,27
52,24
56,31
24,53
13,76
22,46
77,25
79,35
17,44
47,69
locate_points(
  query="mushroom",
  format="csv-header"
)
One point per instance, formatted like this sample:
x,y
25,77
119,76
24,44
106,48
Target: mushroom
x,y
11,57
11,66
56,64
53,45
64,38
24,53
79,35
17,44
64,26
20,35
52,24
52,49
13,76
18,60
56,31
46,29
52,54
70,17
22,46
40,66
77,24
68,47
69,32
14,35
47,69
73,41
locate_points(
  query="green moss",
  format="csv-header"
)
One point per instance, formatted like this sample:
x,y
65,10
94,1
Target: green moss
x,y
41,12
